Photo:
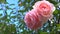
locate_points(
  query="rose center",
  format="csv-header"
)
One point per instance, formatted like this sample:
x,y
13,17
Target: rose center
x,y
44,7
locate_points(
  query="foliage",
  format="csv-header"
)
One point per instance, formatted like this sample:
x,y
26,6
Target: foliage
x,y
12,15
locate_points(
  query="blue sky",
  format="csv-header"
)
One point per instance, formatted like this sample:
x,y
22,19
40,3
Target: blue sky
x,y
15,2
12,1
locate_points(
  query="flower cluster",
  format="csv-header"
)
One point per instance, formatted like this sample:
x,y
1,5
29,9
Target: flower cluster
x,y
42,11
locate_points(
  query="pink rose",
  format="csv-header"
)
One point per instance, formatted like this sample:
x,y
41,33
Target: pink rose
x,y
46,8
33,19
40,14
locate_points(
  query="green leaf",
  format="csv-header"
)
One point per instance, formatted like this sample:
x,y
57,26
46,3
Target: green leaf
x,y
0,14
43,32
53,1
10,29
2,1
58,26
55,12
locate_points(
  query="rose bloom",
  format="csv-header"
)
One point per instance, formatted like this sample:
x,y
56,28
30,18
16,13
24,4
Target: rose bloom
x,y
33,19
40,14
45,7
